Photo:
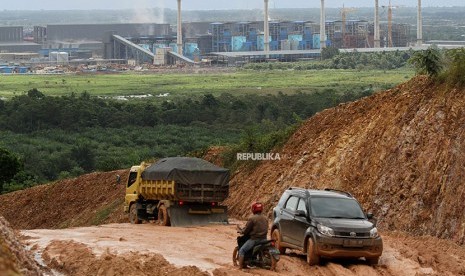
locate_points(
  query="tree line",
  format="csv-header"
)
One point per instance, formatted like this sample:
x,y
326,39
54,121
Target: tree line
x,y
332,58
35,111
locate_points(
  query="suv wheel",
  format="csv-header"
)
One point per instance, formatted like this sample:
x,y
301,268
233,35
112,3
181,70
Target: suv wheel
x,y
312,257
276,236
373,261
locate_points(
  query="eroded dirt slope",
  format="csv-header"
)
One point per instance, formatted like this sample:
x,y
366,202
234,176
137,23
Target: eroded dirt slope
x,y
87,200
14,258
400,152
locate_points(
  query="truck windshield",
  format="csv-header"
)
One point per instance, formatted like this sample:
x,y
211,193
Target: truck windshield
x,y
132,178
331,207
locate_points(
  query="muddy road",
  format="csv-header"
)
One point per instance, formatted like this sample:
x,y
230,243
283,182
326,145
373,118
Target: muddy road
x,y
129,249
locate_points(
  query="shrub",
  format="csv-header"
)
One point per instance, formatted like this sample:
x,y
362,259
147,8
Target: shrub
x,y
427,62
455,73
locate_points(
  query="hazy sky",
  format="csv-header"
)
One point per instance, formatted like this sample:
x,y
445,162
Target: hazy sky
x,y
205,4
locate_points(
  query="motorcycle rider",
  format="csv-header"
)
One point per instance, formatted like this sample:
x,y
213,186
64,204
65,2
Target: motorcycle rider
x,y
256,228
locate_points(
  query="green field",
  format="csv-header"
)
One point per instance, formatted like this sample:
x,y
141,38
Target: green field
x,y
178,84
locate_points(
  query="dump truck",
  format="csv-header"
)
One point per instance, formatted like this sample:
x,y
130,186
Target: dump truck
x,y
177,191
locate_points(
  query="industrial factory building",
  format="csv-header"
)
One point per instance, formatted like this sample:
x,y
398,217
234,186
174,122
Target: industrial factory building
x,y
190,42
303,35
199,39
12,41
95,32
75,38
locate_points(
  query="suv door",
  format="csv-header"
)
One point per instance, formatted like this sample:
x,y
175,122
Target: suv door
x,y
300,223
286,218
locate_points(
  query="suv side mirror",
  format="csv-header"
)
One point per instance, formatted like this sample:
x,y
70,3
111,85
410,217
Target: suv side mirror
x,y
300,213
369,215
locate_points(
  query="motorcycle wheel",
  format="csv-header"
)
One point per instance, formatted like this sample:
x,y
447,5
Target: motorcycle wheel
x,y
267,260
235,256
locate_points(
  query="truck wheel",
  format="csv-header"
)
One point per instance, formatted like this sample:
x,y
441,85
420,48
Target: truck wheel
x,y
133,219
276,236
235,256
163,218
312,257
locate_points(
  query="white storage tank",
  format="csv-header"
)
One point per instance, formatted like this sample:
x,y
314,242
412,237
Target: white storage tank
x,y
59,57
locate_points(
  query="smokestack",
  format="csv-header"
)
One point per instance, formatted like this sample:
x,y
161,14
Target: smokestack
x,y
419,26
179,32
322,26
376,27
267,29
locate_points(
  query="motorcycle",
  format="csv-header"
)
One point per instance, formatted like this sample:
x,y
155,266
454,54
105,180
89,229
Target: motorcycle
x,y
263,255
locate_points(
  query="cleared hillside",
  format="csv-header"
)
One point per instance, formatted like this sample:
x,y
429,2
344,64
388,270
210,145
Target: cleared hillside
x,y
400,152
91,199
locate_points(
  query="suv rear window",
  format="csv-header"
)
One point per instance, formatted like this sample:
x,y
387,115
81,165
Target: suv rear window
x,y
332,207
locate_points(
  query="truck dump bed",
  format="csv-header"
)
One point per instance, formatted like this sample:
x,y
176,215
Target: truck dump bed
x,y
185,178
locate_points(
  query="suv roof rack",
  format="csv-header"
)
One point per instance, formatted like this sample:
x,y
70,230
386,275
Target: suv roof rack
x,y
296,188
339,191
307,193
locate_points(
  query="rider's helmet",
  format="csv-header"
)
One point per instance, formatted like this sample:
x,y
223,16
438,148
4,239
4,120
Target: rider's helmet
x,y
257,207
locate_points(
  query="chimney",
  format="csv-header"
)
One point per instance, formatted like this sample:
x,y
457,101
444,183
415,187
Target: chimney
x,y
267,29
322,26
179,32
376,26
419,26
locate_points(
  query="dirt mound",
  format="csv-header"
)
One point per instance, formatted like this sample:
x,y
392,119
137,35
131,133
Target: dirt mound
x,y
91,199
430,252
400,152
77,259
14,258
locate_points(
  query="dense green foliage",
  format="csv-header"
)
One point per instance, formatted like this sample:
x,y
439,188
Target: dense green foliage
x,y
441,65
427,62
9,165
55,154
37,112
329,52
333,59
455,73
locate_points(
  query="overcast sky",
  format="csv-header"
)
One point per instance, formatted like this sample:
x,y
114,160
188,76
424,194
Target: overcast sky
x,y
205,4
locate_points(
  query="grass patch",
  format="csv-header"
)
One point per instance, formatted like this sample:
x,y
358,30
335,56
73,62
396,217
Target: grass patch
x,y
104,212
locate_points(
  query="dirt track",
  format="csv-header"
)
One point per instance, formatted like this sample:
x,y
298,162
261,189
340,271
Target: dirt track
x,y
119,246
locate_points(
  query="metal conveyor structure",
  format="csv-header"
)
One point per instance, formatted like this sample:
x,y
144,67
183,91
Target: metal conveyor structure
x,y
123,48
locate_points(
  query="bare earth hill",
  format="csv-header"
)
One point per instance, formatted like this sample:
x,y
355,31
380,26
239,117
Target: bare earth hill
x,y
91,199
400,152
